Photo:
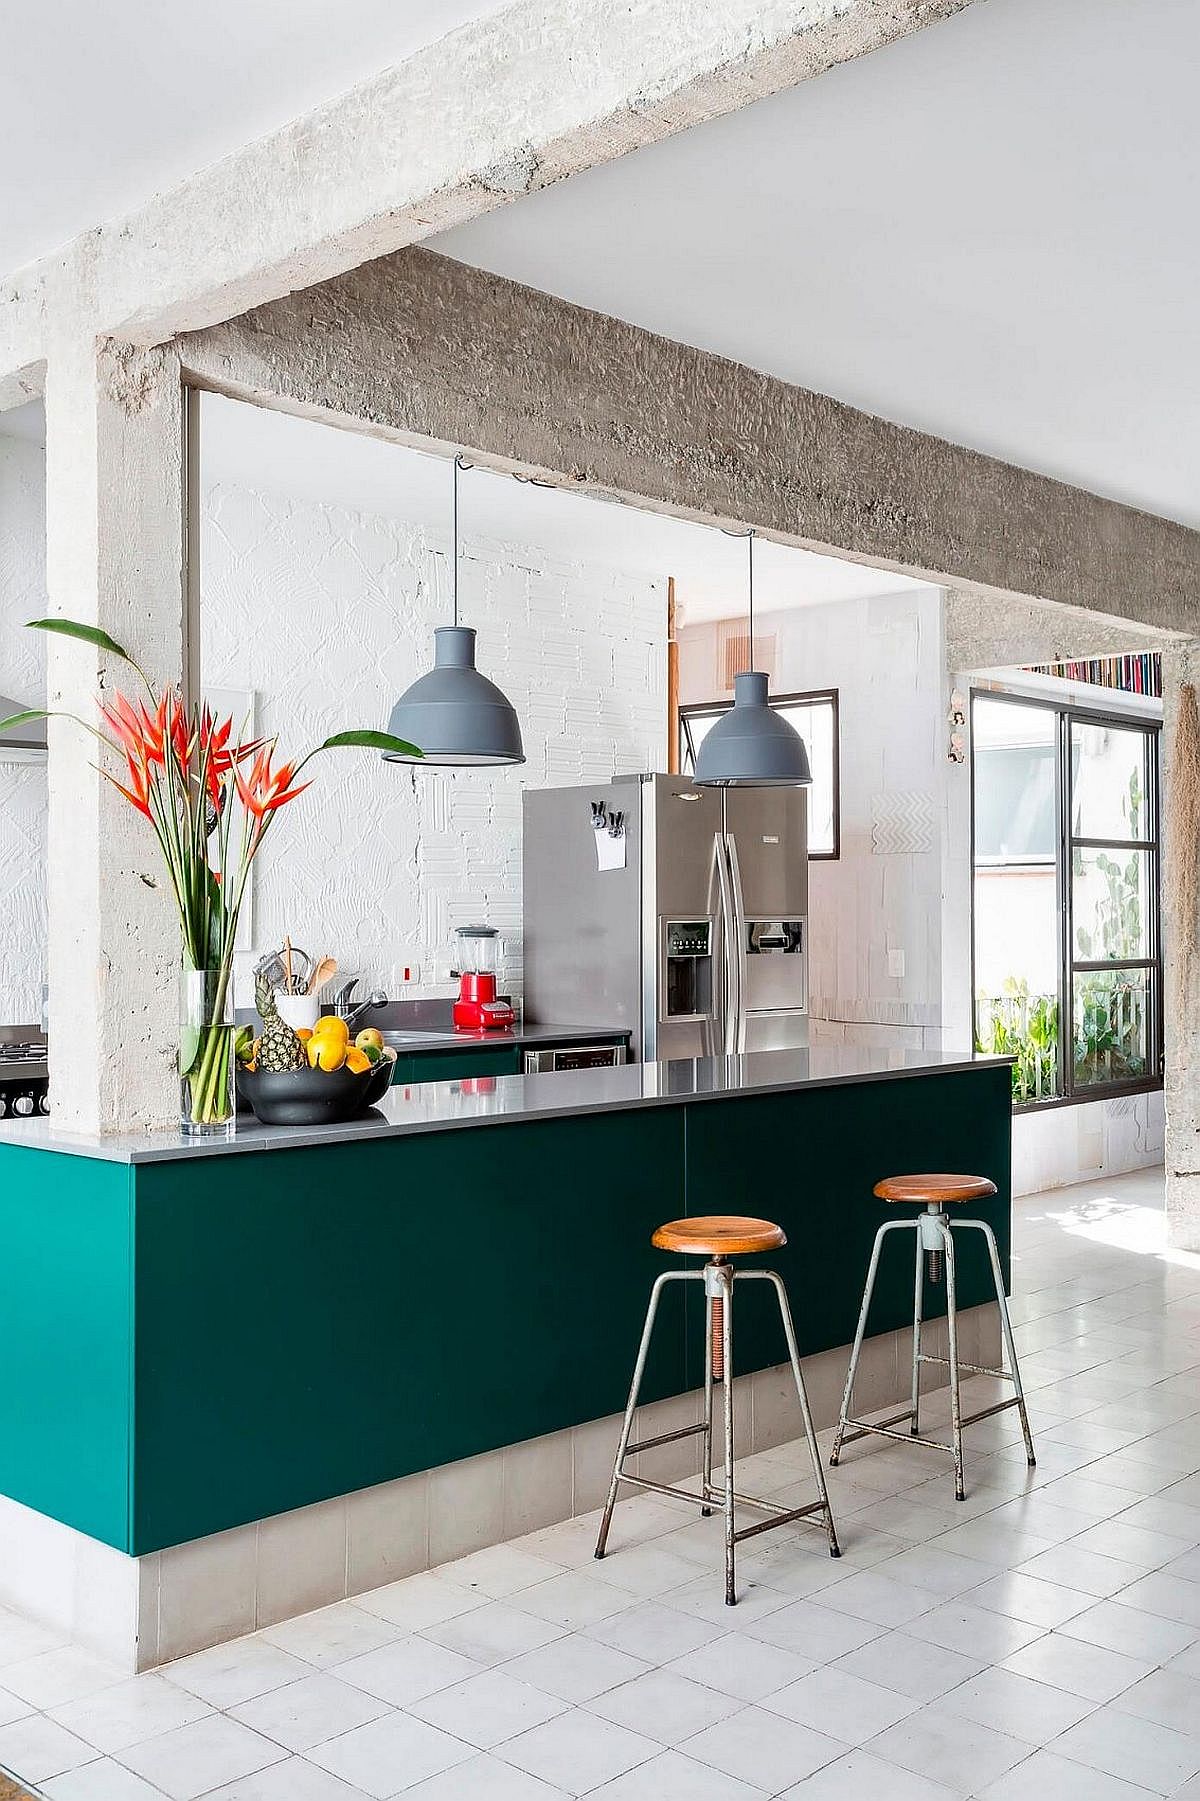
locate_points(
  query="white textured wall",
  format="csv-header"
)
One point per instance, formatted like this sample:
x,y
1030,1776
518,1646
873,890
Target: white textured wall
x,y
22,785
881,900
328,615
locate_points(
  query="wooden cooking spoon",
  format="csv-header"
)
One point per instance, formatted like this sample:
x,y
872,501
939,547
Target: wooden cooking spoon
x,y
324,972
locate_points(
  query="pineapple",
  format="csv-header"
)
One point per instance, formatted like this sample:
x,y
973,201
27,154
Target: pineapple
x,y
279,1048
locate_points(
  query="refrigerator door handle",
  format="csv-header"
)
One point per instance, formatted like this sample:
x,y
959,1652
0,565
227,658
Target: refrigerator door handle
x,y
718,883
737,948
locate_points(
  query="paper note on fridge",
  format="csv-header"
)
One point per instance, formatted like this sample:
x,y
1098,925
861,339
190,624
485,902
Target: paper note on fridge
x,y
610,849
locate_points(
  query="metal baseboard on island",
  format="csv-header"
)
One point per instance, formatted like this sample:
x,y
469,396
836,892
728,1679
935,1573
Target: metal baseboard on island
x,y
225,1353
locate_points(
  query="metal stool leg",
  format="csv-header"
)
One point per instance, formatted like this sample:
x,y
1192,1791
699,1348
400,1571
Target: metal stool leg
x,y
1014,1368
952,1354
891,1225
918,1298
707,1465
639,1370
726,1277
810,1432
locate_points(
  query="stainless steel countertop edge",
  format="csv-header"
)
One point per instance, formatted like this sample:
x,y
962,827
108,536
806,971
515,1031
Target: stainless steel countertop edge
x,y
512,1100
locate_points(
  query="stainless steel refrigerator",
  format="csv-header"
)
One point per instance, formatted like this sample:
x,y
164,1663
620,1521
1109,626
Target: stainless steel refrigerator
x,y
678,913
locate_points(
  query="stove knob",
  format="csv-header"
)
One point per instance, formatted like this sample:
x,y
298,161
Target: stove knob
x,y
43,1105
3,1106
23,1105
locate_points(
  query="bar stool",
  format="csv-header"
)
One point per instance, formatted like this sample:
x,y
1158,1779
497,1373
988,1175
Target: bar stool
x,y
934,1241
719,1238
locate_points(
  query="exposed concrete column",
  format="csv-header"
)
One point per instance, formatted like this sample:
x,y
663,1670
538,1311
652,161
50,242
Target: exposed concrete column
x,y
1181,985
114,544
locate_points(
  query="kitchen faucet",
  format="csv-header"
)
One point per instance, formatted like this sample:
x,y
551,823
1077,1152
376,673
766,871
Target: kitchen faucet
x,y
341,1001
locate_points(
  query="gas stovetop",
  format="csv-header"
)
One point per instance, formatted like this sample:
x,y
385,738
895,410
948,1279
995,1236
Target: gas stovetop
x,y
24,1075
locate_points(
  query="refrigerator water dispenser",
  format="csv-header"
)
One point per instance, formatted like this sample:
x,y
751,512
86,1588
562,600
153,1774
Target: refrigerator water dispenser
x,y
687,955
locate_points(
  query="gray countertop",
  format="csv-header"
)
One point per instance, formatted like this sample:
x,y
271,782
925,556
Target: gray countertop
x,y
415,1041
498,1100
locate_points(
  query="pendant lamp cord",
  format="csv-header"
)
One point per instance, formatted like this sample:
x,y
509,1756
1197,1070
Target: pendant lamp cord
x,y
454,575
750,552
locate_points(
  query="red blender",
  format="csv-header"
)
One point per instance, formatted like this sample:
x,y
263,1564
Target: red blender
x,y
477,954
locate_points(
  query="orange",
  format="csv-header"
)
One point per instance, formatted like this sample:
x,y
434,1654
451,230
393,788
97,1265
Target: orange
x,y
357,1061
304,1033
325,1052
330,1025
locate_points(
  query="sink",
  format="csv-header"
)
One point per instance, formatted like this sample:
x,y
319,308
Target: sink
x,y
398,1039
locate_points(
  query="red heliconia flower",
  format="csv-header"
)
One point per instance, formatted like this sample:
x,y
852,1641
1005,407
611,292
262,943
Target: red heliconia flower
x,y
138,791
154,732
134,730
264,789
180,736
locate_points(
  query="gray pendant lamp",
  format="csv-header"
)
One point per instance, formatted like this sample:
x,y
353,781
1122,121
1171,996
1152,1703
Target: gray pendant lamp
x,y
752,746
453,713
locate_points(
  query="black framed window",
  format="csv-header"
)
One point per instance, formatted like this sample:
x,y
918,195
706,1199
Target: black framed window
x,y
815,717
1067,957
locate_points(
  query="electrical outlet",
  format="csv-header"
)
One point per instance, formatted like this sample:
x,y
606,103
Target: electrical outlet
x,y
896,963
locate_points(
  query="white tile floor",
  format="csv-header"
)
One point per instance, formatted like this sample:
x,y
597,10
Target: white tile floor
x,y
1040,1639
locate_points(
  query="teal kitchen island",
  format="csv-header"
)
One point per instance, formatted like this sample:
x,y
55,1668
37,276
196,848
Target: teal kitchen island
x,y
244,1378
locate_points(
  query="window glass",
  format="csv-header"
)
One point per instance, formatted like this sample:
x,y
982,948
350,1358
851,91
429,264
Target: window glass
x,y
1017,954
1108,782
1069,1027
1110,904
816,722
1015,812
1111,1035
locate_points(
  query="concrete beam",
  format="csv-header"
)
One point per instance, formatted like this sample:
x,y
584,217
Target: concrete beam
x,y
984,633
503,106
416,346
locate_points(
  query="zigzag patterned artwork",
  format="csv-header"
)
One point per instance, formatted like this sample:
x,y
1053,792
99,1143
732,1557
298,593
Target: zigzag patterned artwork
x,y
902,824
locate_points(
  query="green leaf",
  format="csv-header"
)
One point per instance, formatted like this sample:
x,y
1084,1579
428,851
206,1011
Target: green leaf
x,y
88,634
10,725
189,1049
368,740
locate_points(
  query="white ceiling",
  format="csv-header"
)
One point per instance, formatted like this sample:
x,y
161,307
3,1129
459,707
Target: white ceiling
x,y
987,230
102,106
275,453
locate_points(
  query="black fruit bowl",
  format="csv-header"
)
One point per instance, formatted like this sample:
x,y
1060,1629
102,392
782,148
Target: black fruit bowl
x,y
312,1097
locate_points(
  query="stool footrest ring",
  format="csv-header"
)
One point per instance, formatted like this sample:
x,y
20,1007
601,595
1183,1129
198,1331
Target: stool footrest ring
x,y
664,1438
976,1369
711,1495
863,1428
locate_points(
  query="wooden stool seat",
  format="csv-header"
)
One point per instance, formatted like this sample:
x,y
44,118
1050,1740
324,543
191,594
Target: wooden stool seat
x,y
719,1235
934,1191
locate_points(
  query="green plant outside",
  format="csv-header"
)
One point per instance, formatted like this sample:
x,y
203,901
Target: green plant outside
x,y
1110,1029
1025,1027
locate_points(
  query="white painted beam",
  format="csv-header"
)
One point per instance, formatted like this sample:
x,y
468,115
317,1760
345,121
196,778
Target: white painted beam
x,y
505,105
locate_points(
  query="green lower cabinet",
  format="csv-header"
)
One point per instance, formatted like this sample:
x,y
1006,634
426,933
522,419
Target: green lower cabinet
x,y
809,1161
197,1343
454,1065
312,1322
67,1303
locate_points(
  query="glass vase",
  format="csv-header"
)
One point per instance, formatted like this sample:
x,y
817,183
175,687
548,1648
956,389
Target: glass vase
x,y
207,1097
